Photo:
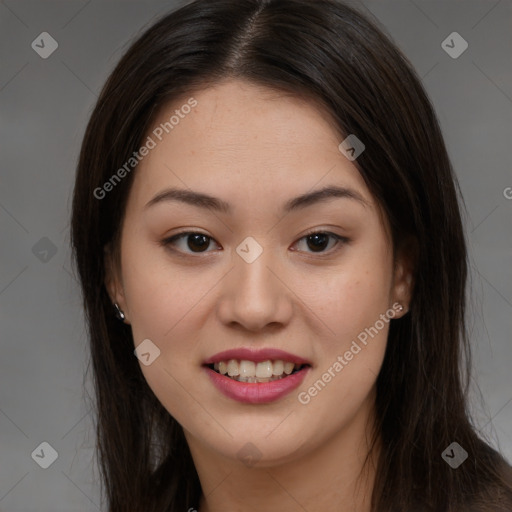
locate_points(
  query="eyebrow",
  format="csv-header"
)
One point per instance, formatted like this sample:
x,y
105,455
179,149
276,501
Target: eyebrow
x,y
202,200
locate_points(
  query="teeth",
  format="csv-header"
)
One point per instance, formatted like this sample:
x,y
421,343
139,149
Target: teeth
x,y
233,368
278,367
288,367
264,369
249,371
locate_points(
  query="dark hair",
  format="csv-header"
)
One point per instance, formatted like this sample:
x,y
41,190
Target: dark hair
x,y
329,53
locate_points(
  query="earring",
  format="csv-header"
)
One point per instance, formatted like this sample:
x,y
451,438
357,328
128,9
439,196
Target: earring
x,y
119,312
400,307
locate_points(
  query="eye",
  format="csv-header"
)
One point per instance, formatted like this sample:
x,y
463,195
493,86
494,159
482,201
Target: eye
x,y
194,241
319,240
198,242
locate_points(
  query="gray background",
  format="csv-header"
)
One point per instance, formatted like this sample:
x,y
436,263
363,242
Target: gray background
x,y
45,104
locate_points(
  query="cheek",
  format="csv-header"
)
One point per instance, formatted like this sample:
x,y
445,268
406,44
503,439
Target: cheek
x,y
164,302
350,352
336,398
159,293
350,297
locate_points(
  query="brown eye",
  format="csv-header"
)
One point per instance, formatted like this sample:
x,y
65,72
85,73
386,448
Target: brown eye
x,y
194,242
197,241
318,241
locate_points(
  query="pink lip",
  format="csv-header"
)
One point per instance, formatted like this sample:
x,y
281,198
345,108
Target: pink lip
x,y
256,392
257,356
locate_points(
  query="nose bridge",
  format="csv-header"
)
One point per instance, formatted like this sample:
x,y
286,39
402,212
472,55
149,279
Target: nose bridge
x,y
253,277
255,297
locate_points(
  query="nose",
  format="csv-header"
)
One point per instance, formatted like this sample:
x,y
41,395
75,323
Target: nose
x,y
255,295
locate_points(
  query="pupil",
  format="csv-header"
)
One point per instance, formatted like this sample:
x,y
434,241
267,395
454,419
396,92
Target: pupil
x,y
316,237
196,241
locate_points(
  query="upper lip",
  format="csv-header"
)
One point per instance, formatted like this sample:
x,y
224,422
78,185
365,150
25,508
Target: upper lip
x,y
256,355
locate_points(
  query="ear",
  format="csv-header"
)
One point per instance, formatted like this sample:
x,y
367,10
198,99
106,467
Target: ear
x,y
403,276
113,280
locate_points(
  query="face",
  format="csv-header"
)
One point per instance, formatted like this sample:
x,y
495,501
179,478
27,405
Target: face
x,y
256,269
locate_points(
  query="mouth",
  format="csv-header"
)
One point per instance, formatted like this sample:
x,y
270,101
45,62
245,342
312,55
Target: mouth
x,y
256,376
256,372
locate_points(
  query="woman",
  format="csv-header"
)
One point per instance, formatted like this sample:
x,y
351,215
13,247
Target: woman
x,y
265,215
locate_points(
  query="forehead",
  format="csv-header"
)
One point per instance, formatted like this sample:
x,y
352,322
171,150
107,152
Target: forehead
x,y
238,115
253,142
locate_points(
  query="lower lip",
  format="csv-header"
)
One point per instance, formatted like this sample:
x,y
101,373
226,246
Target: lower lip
x,y
257,392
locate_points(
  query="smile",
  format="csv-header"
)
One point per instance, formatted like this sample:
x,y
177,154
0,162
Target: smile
x,y
256,372
256,376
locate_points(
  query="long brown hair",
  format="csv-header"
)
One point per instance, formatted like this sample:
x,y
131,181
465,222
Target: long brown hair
x,y
330,53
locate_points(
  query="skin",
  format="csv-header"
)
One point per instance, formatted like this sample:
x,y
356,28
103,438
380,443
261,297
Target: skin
x,y
256,148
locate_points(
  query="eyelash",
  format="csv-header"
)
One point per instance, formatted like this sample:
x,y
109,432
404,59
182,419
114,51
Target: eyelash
x,y
340,241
